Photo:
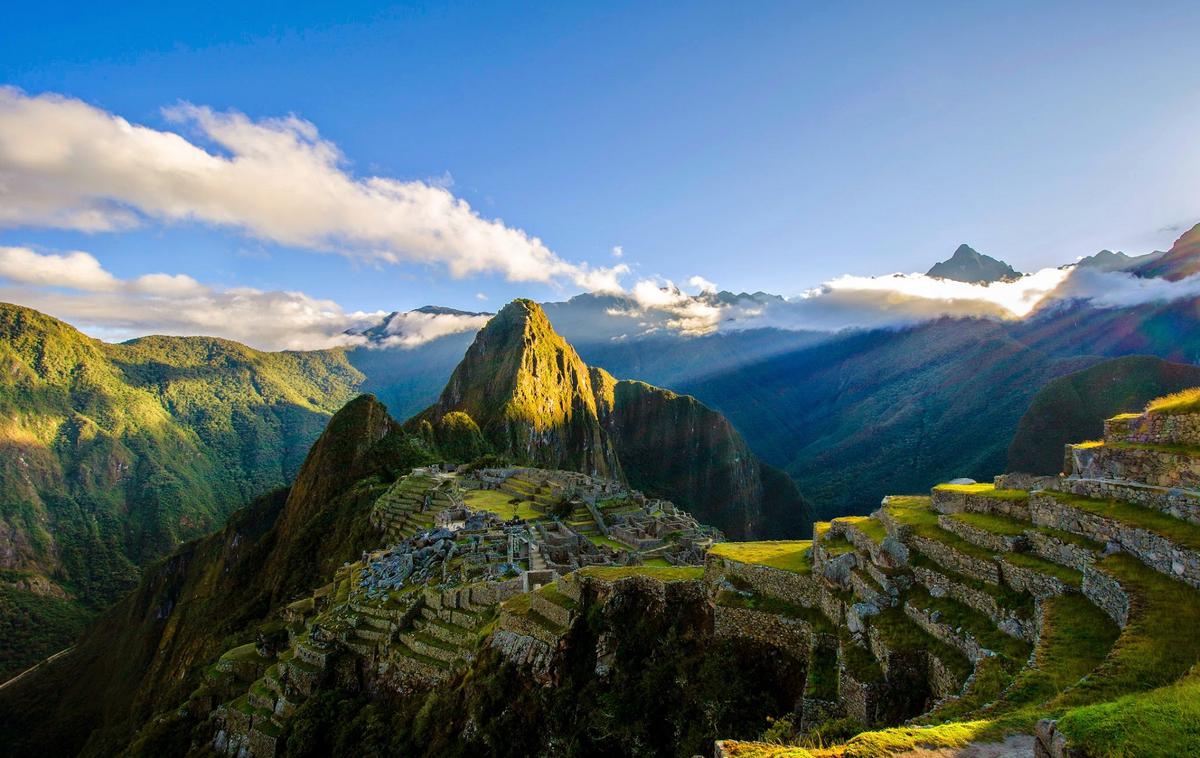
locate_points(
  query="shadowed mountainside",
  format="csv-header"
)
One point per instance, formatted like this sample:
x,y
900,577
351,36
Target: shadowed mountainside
x,y
1074,407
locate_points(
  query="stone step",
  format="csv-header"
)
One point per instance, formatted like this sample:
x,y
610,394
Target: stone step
x,y
969,631
1164,543
1012,611
370,634
1000,534
1173,501
979,498
449,633
430,646
553,605
1037,576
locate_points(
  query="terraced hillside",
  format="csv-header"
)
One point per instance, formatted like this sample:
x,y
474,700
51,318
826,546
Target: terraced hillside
x,y
1055,612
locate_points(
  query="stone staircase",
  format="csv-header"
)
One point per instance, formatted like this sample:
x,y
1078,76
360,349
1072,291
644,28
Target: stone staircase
x,y
581,521
984,601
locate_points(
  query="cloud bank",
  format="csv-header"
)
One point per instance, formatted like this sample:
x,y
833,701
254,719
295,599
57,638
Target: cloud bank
x,y
411,329
66,164
858,302
75,287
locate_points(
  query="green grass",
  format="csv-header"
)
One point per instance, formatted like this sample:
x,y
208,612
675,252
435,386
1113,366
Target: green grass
x,y
246,652
835,546
822,679
552,593
1066,575
600,539
869,526
902,634
813,616
668,574
497,502
979,626
657,563
984,489
1186,401
789,555
1163,723
1076,637
1183,533
994,524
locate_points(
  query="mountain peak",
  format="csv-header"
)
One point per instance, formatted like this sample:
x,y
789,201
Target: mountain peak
x,y
530,393
969,265
1182,260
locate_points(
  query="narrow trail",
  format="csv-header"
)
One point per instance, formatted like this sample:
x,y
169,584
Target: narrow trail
x,y
38,665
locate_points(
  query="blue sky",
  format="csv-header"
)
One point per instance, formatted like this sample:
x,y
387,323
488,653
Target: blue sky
x,y
764,146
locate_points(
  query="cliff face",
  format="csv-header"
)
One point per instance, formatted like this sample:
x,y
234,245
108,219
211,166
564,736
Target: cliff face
x,y
537,402
674,445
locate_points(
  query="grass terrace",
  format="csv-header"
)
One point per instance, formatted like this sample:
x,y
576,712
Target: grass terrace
x,y
1021,603
979,626
988,522
901,633
983,489
600,539
662,573
1066,575
1191,451
869,526
1183,533
789,555
815,618
1187,401
497,502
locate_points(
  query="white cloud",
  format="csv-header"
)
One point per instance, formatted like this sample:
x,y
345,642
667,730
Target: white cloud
x,y
76,270
480,296
413,328
702,284
66,164
76,288
618,251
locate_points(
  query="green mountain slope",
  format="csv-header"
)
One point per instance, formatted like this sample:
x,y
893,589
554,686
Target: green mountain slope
x,y
1073,407
111,455
145,653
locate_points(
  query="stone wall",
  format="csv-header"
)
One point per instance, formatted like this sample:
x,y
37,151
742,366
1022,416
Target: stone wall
x,y
1157,552
976,568
789,586
1021,481
943,632
1158,468
794,636
1036,583
1107,594
1180,503
949,501
1000,543
1060,552
940,585
1155,428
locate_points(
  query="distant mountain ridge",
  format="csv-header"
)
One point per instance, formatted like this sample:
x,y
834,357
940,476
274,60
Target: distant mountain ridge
x,y
1182,260
968,265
